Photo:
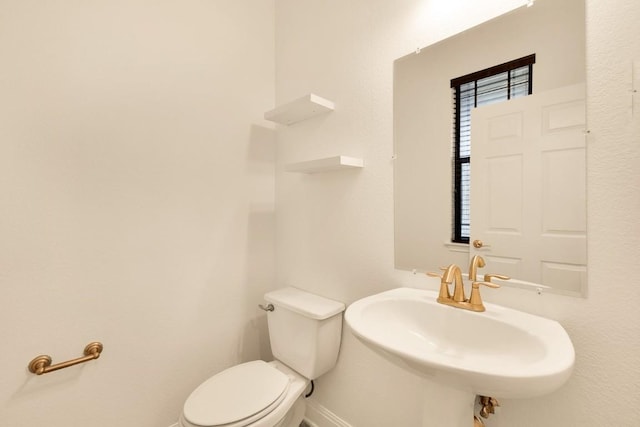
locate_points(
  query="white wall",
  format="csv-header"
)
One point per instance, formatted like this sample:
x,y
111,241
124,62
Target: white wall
x,y
335,231
137,202
137,209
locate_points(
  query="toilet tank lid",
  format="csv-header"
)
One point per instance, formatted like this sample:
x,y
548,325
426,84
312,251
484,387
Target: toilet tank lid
x,y
299,301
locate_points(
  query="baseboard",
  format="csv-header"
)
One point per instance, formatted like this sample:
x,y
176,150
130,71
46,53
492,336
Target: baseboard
x,y
317,415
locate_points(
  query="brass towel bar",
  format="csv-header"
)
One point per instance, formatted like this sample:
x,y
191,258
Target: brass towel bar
x,y
42,364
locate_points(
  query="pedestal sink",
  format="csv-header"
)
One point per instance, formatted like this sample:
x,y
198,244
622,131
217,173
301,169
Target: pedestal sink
x,y
500,352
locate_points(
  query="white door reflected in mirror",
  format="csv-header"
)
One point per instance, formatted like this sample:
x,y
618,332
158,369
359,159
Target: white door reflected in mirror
x,y
528,187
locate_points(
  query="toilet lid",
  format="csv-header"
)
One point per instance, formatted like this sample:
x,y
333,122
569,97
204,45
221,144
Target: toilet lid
x,y
235,394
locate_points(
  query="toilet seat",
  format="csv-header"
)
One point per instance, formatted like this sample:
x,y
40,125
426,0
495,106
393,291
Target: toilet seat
x,y
237,396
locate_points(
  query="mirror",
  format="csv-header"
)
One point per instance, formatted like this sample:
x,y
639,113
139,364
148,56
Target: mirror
x,y
523,207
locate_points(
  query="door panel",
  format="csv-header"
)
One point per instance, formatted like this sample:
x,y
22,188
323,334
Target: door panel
x,y
528,187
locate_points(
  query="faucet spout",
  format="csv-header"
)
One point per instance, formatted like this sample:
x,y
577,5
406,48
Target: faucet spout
x,y
453,274
476,262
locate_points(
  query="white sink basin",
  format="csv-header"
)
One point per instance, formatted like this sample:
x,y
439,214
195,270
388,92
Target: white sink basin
x,y
500,352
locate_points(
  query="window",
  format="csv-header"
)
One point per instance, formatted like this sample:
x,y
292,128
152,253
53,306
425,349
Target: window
x,y
496,84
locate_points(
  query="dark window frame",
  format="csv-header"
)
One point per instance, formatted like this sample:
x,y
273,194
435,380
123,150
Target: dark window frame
x,y
460,161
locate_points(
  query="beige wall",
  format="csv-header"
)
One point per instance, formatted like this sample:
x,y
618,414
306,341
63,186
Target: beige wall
x,y
137,202
137,180
335,231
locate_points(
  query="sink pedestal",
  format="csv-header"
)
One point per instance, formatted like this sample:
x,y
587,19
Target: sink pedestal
x,y
445,406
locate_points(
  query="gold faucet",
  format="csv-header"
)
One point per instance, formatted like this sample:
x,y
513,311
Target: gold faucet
x,y
453,274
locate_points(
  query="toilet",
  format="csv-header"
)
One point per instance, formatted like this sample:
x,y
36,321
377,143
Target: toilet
x,y
304,331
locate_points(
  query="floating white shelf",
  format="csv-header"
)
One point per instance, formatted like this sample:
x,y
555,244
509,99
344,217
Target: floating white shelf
x,y
325,165
301,109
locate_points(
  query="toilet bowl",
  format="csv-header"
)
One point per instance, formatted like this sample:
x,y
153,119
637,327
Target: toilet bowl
x,y
252,394
304,330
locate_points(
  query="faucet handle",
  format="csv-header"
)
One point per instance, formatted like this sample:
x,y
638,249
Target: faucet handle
x,y
475,301
476,285
434,274
444,294
488,277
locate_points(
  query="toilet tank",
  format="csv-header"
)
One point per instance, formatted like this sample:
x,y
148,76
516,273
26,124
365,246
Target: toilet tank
x,y
304,330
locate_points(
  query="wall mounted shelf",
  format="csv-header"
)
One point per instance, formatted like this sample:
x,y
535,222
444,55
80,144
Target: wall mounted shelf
x,y
304,108
325,165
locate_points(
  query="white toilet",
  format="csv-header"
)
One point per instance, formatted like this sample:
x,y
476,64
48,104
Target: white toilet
x,y
305,331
